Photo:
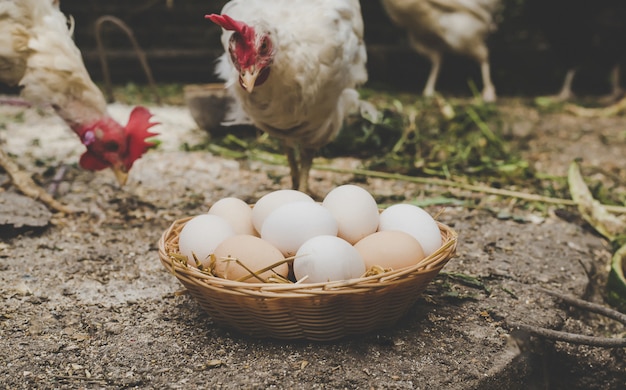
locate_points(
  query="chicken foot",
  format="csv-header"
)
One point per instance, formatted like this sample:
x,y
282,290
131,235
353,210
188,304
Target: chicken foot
x,y
612,110
617,96
617,92
25,184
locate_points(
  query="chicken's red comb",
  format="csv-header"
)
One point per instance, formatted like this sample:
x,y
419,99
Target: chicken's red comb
x,y
137,131
228,23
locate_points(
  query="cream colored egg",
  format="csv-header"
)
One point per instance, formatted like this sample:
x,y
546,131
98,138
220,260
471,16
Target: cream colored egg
x,y
251,252
415,221
271,201
355,210
237,212
327,258
290,225
201,235
390,249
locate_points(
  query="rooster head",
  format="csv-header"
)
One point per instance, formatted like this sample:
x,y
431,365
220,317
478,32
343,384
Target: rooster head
x,y
109,145
251,50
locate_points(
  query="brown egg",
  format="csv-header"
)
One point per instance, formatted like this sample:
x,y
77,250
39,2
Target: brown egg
x,y
390,249
251,252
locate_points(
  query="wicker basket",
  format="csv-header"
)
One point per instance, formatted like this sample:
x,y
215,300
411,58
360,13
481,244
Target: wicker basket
x,y
320,311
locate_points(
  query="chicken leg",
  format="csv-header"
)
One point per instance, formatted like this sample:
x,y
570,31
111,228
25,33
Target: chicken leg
x,y
306,161
294,168
300,161
489,90
617,92
25,184
566,90
616,96
435,60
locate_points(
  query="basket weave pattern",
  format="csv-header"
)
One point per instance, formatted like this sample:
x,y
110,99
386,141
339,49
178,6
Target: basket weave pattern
x,y
314,311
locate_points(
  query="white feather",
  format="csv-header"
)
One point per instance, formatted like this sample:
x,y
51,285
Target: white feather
x,y
320,59
462,25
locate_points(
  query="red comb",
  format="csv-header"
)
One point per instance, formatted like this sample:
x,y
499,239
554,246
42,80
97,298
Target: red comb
x,y
228,23
137,131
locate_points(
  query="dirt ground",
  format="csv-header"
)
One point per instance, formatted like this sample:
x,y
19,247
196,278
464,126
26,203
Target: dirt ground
x,y
87,304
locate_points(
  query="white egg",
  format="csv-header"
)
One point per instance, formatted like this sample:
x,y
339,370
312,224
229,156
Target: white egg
x,y
327,258
355,210
415,221
271,201
290,225
237,212
201,235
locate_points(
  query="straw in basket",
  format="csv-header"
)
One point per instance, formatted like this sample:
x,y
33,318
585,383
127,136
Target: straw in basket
x,y
315,311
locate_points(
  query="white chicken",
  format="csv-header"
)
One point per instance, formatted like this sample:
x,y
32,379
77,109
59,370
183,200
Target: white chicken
x,y
293,66
455,26
38,54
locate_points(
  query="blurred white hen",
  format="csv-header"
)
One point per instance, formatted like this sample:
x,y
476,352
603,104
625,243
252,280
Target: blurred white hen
x,y
456,26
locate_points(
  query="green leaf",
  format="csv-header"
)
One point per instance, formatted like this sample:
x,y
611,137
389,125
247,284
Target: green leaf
x,y
605,223
616,284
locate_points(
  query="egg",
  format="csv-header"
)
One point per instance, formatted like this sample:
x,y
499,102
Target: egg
x,y
237,212
251,251
355,210
327,258
271,201
415,221
390,249
290,225
201,235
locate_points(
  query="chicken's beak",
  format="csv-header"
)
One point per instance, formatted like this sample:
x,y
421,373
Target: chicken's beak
x,y
248,79
120,175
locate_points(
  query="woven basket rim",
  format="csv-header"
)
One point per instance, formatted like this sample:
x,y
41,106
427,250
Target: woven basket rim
x,y
169,240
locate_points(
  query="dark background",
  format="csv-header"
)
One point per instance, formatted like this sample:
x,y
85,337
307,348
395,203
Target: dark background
x,y
181,47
